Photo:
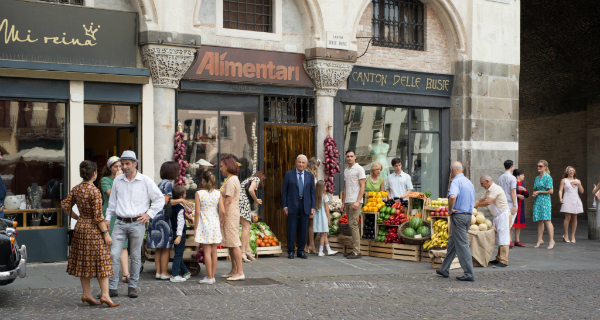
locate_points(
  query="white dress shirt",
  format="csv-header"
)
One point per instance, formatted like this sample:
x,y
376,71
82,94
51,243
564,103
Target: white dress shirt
x,y
131,198
398,184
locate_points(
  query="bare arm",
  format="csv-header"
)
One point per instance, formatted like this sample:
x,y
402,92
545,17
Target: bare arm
x,y
382,186
513,195
596,188
251,191
107,192
222,209
197,211
483,203
560,190
405,195
580,186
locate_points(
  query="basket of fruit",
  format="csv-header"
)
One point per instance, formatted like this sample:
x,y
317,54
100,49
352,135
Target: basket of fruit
x,y
415,231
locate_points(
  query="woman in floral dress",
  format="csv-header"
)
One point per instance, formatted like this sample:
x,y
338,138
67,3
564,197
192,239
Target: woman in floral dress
x,y
89,256
207,226
542,206
230,217
248,191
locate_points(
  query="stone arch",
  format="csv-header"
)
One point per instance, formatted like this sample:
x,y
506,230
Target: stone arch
x,y
449,18
312,19
148,15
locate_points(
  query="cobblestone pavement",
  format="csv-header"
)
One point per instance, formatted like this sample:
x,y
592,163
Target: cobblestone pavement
x,y
499,295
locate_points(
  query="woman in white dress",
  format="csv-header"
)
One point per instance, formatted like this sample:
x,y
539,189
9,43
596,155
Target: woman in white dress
x,y
570,187
207,224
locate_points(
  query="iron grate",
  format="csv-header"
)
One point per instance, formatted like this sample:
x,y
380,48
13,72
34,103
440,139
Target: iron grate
x,y
355,284
204,292
254,282
472,290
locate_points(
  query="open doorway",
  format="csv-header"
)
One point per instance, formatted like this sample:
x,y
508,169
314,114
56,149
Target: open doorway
x,y
109,130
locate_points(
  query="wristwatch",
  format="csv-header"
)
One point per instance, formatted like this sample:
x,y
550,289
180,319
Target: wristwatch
x,y
103,232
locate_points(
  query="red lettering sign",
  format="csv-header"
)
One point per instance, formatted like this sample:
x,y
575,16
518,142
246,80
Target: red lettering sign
x,y
253,66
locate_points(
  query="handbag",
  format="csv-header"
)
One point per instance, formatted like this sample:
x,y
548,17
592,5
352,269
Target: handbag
x,y
247,191
69,230
168,210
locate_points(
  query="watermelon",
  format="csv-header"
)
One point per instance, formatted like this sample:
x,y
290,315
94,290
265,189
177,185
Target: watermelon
x,y
424,231
415,223
409,232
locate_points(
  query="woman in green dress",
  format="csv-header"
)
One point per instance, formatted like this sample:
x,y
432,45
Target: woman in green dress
x,y
542,206
109,173
375,180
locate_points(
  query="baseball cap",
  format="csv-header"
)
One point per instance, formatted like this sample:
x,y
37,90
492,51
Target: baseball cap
x,y
128,155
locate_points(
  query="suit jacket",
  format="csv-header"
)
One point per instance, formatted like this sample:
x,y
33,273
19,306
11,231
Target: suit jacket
x,y
289,196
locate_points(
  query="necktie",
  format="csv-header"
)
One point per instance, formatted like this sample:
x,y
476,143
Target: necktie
x,y
300,185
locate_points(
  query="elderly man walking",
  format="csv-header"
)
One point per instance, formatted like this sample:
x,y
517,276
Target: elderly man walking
x,y
298,202
461,198
130,202
354,190
495,199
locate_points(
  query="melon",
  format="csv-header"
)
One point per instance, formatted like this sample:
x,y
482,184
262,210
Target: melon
x,y
423,231
409,232
488,223
483,227
474,212
474,227
415,223
480,218
473,220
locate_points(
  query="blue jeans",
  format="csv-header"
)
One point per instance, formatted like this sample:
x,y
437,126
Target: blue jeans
x,y
178,259
134,232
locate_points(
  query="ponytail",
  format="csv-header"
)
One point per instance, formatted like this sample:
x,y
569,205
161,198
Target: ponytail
x,y
210,180
545,163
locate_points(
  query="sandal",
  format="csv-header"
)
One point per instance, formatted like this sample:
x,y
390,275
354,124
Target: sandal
x,y
566,240
551,245
539,243
125,278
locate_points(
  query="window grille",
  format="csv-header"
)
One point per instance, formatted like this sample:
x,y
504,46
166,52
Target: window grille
x,y
251,15
399,24
73,2
289,109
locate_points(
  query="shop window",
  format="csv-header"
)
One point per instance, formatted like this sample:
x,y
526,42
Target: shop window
x,y
357,114
32,142
399,24
291,110
110,114
74,2
250,15
212,135
411,134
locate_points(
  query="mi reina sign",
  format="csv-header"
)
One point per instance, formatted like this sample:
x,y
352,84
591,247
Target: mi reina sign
x,y
250,66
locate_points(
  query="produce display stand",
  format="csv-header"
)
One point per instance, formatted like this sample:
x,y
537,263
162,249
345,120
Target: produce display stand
x,y
407,252
365,247
363,216
381,250
434,219
411,204
335,244
263,251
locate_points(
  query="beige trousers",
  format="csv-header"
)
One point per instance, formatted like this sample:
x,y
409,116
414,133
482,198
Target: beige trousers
x,y
353,215
502,254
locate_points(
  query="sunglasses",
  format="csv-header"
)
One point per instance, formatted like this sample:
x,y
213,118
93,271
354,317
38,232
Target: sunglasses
x,y
540,166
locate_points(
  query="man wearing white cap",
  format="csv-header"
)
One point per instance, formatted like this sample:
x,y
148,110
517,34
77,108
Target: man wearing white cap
x,y
130,202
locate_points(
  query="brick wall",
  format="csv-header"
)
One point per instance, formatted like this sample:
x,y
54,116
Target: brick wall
x,y
435,58
562,141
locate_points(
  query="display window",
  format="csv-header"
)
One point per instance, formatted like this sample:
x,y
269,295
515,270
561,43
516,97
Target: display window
x,y
382,133
32,142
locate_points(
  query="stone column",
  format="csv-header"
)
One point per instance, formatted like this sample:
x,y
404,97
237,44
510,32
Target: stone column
x,y
327,76
167,66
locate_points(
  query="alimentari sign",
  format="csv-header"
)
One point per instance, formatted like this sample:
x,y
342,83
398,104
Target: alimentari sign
x,y
252,66
400,81
45,32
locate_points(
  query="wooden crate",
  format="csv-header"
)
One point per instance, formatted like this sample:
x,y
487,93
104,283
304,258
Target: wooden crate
x,y
380,250
363,215
365,246
335,244
436,263
427,202
434,219
425,255
263,251
407,252
223,253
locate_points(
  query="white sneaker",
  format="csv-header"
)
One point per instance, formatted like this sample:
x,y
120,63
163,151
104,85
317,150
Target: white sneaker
x,y
213,280
206,281
187,275
332,253
157,276
321,254
177,279
163,277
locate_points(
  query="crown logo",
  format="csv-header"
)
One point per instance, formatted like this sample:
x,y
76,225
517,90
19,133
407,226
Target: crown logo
x,y
91,31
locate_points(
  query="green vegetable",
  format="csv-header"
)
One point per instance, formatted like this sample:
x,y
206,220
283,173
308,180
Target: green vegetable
x,y
253,246
336,215
427,193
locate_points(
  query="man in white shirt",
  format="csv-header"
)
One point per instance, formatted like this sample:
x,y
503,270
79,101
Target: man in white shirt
x,y
130,202
399,184
508,182
354,190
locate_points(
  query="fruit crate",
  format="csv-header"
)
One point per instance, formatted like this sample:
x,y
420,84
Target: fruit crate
x,y
434,219
426,203
335,244
223,253
381,250
263,251
365,246
363,217
425,255
407,252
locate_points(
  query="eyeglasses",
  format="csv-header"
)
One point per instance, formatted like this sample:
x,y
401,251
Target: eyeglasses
x,y
540,166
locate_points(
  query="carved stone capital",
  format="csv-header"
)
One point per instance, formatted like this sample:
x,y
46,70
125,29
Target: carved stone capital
x,y
167,64
327,75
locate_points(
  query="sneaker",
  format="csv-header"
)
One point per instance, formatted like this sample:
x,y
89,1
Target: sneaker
x,y
177,279
213,280
163,277
206,281
354,256
500,265
332,253
187,275
321,254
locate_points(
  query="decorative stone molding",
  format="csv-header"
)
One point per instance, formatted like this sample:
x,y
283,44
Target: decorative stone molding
x,y
327,75
167,64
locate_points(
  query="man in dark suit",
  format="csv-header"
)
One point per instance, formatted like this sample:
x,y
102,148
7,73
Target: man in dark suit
x,y
298,202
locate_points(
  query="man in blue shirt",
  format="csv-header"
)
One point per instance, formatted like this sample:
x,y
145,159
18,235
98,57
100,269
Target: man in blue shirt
x,y
461,198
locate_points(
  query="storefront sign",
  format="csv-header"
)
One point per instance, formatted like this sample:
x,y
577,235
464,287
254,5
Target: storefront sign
x,y
338,41
400,81
44,32
253,66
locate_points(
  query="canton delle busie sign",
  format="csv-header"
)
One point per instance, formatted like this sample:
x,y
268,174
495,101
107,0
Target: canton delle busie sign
x,y
253,66
44,32
400,81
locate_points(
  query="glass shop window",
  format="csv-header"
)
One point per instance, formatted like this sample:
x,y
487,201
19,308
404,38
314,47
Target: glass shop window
x,y
32,168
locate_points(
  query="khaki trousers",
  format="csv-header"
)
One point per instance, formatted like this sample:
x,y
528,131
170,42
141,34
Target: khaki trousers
x,y
353,215
502,254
